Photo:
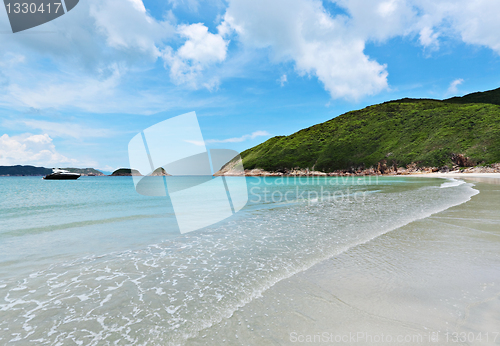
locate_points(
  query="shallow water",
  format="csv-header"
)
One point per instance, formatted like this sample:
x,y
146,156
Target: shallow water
x,y
434,281
92,262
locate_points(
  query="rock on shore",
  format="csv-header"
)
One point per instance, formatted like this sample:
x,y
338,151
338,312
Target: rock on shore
x,y
381,169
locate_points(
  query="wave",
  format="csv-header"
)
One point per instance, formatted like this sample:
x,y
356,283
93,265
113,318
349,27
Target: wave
x,y
172,290
452,183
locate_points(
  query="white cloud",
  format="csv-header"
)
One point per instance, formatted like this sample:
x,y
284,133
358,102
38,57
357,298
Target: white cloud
x,y
96,34
283,80
138,5
453,89
379,19
319,44
201,50
91,57
331,46
81,59
88,59
67,130
11,60
429,38
30,149
243,138
190,4
66,89
474,22
127,25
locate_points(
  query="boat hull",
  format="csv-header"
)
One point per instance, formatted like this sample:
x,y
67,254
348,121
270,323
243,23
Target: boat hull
x,y
61,177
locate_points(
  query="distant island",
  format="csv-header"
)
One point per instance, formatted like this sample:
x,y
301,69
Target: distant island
x,y
85,171
22,171
127,172
396,137
18,171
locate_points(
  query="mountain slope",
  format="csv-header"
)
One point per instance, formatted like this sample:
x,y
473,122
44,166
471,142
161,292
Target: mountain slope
x,y
38,171
84,171
24,170
426,132
491,96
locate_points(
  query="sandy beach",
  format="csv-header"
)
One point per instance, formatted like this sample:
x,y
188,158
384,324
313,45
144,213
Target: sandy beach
x,y
435,281
491,176
311,260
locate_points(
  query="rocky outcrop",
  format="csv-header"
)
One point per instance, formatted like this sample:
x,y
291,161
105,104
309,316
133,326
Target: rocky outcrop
x,y
462,161
160,172
85,171
233,168
126,172
381,169
495,168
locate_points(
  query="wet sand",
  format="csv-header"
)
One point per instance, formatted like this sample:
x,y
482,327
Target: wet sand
x,y
435,281
489,176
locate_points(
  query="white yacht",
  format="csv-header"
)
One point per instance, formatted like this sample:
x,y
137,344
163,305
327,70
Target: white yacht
x,y
61,174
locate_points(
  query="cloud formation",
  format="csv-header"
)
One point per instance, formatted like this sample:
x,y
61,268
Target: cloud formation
x,y
80,60
283,80
201,50
67,130
453,89
301,31
91,58
132,29
30,149
243,138
330,45
474,22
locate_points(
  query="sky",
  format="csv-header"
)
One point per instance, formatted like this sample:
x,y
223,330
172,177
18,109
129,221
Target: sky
x,y
76,90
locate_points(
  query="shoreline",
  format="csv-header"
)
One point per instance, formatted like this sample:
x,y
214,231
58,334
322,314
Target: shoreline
x,y
427,281
452,174
235,168
457,175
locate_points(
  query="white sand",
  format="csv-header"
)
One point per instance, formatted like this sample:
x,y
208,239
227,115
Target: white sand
x,y
423,282
456,175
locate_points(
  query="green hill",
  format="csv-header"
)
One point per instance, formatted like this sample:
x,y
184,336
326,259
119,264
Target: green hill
x,y
491,96
125,172
427,132
24,171
84,171
38,171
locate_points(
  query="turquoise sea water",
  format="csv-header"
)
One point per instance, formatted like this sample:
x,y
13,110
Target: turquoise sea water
x,y
92,262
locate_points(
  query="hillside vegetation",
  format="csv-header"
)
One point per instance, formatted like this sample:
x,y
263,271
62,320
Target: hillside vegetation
x,y
430,133
125,172
24,171
84,171
41,171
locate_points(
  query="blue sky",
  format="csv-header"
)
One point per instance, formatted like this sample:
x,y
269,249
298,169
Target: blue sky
x,y
74,91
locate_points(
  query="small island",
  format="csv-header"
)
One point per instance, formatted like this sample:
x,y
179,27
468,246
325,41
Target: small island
x,y
32,171
128,172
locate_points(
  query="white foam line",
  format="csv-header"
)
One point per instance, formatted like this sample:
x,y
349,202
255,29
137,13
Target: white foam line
x,y
258,292
452,183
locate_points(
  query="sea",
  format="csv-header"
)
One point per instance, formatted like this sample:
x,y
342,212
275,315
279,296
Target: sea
x,y
93,262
